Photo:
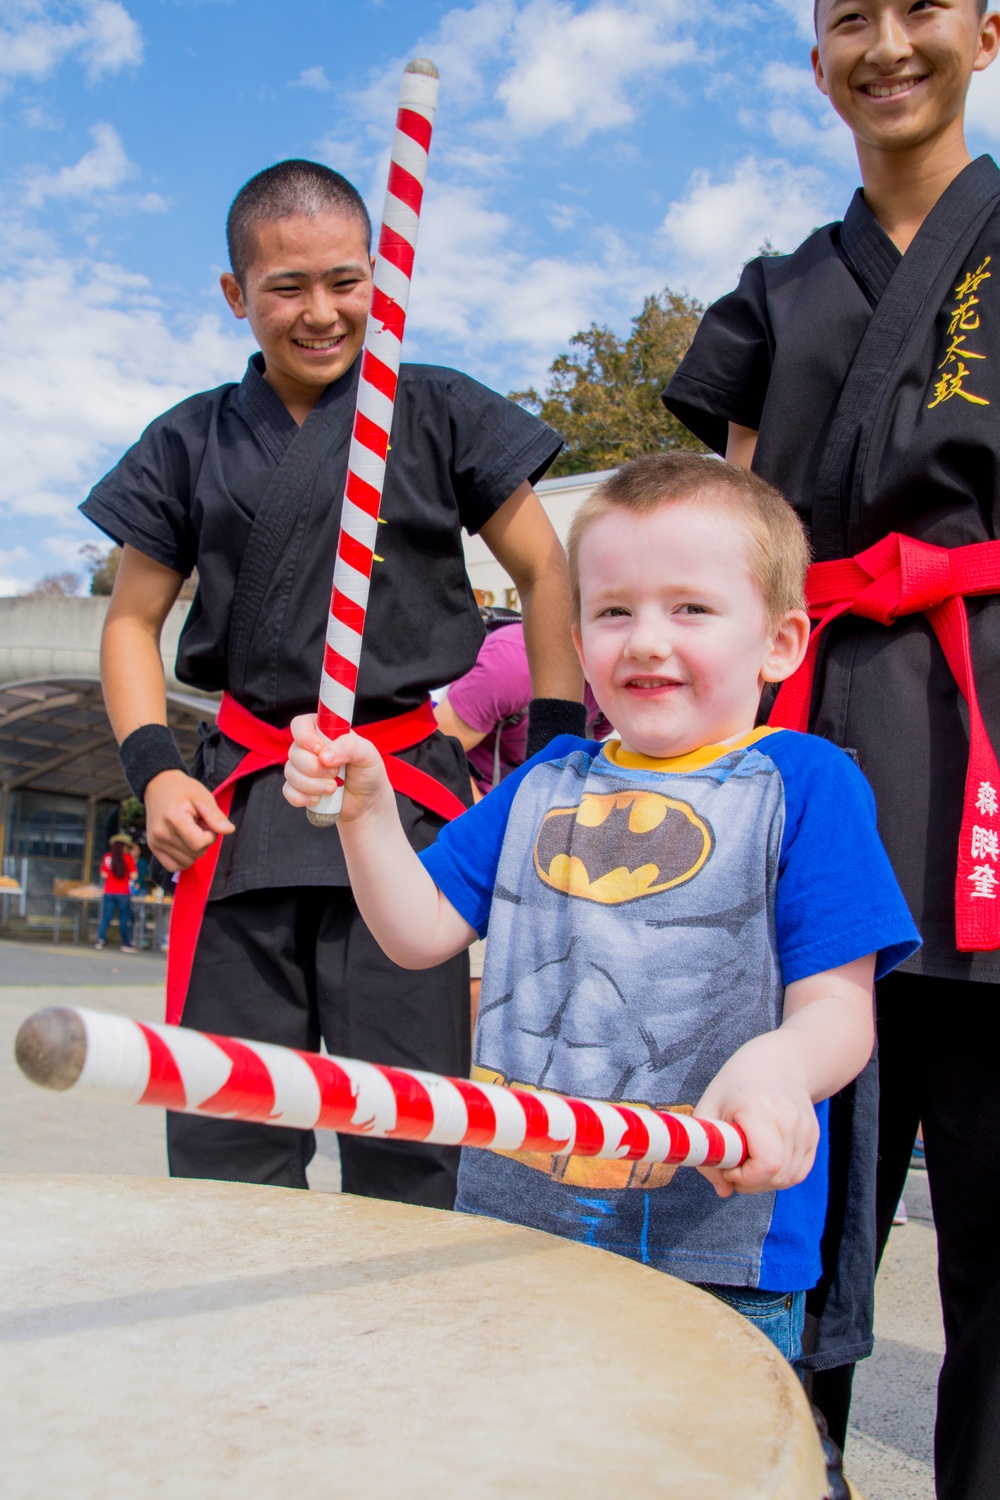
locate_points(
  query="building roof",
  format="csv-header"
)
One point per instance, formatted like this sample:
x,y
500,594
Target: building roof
x,y
54,731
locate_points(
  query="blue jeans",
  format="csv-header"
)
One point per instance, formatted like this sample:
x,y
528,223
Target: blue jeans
x,y
779,1315
122,906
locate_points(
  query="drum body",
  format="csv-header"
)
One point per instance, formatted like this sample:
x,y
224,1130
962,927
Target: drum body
x,y
213,1340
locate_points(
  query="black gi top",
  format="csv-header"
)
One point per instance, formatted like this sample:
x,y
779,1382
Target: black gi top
x,y
228,483
874,382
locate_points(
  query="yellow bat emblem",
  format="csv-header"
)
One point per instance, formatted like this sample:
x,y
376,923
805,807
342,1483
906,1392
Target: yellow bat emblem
x,y
620,846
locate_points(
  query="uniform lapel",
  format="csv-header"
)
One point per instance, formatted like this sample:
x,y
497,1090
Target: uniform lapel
x,y
912,297
301,456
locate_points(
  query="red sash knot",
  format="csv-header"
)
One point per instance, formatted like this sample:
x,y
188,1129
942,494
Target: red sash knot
x,y
902,576
267,746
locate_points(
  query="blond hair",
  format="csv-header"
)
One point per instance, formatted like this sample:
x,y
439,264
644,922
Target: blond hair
x,y
778,554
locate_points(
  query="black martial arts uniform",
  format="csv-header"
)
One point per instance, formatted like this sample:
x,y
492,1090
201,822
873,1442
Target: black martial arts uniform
x,y
227,483
874,382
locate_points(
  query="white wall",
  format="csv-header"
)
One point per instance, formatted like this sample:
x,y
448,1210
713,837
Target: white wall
x,y
560,497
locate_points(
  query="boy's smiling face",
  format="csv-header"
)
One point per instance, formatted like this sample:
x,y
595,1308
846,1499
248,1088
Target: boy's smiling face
x,y
673,635
897,71
306,296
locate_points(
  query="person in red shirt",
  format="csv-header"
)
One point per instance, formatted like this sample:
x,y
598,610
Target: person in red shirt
x,y
118,870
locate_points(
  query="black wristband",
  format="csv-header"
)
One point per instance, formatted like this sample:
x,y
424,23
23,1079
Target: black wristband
x,y
548,717
146,752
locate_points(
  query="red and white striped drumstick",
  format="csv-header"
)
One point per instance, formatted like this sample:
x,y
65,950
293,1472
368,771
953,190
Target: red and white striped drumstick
x,y
373,418
172,1067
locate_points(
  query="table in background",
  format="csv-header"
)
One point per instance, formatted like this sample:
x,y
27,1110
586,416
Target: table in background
x,y
143,906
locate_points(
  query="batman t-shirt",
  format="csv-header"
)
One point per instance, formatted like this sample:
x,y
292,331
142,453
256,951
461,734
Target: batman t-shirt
x,y
644,918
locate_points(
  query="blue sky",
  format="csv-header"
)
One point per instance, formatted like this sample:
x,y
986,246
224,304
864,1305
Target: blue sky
x,y
585,155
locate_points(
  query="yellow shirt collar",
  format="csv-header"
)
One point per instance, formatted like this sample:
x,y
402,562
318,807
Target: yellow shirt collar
x,y
694,760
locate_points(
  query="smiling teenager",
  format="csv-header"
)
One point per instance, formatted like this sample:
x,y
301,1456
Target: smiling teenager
x,y
861,374
245,484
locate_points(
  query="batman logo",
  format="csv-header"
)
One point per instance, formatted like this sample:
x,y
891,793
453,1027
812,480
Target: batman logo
x,y
620,846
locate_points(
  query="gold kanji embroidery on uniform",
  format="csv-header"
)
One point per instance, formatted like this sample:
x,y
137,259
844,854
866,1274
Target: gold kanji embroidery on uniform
x,y
964,320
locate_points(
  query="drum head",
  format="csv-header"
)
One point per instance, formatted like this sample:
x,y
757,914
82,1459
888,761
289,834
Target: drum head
x,y
210,1340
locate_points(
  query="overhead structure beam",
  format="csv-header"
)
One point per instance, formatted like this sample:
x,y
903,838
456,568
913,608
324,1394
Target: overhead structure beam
x,y
36,773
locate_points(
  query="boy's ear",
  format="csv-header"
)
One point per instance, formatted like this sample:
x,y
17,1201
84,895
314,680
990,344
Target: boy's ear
x,y
817,67
233,293
989,42
789,643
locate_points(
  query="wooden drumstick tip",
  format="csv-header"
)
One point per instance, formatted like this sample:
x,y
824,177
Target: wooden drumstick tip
x,y
322,820
51,1048
422,65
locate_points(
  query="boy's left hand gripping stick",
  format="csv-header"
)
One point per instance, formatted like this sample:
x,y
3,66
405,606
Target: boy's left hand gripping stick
x,y
373,419
175,1068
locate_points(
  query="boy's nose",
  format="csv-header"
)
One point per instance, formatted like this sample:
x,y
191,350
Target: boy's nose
x,y
892,44
321,310
647,643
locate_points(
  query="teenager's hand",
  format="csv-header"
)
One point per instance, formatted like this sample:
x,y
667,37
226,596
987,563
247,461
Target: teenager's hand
x,y
766,1094
313,763
183,819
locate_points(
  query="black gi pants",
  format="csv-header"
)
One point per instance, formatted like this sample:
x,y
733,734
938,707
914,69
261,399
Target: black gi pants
x,y
939,1065
291,966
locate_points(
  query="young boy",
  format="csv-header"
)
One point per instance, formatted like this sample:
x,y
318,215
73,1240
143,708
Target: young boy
x,y
862,375
245,484
688,916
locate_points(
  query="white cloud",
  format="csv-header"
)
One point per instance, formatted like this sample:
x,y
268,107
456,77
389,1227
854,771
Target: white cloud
x,y
313,78
982,111
89,360
16,567
581,69
34,39
720,224
802,119
801,12
506,311
347,157
578,69
100,170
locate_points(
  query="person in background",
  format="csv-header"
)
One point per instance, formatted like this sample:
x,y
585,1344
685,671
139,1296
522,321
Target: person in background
x,y
487,712
118,870
487,709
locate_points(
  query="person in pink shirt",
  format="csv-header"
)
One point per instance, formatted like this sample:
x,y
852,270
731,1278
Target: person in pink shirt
x,y
487,709
487,712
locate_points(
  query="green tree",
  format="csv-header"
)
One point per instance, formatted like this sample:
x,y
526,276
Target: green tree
x,y
102,565
604,396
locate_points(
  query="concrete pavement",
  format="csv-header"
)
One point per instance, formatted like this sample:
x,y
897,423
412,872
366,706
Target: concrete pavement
x,y
889,1454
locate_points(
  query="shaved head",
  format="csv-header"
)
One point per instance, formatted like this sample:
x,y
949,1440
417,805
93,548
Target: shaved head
x,y
286,191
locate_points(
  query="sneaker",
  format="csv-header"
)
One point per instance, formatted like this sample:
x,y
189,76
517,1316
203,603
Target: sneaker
x,y
901,1216
127,948
99,943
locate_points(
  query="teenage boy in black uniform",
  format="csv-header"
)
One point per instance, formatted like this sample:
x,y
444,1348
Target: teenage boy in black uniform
x,y
861,375
244,483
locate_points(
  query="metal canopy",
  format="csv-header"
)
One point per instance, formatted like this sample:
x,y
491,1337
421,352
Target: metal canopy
x,y
55,737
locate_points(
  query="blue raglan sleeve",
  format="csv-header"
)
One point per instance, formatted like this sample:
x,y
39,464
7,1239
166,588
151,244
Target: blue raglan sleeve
x,y
463,861
837,898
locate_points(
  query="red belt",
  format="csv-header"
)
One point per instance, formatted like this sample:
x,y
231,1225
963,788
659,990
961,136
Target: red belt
x,y
901,576
267,746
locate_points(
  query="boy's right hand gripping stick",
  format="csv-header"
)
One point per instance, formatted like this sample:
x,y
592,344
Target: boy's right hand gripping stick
x,y
373,418
172,1067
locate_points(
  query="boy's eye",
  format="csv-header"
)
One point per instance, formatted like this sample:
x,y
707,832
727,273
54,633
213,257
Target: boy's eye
x,y
613,611
693,609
